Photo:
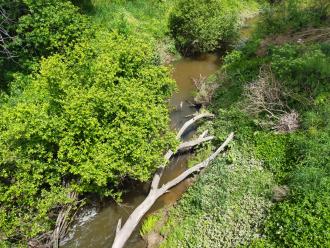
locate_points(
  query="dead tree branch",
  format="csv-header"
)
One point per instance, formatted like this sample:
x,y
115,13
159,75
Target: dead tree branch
x,y
63,221
192,121
133,220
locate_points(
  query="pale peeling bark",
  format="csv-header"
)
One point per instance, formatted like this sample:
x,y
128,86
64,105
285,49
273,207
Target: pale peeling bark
x,y
123,233
192,121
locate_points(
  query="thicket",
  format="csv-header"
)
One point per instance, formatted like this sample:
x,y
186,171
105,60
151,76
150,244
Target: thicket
x,y
146,19
294,15
296,160
74,116
38,29
208,26
200,26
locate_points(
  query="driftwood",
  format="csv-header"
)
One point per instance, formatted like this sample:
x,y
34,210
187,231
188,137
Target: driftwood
x,y
124,232
192,121
189,144
62,221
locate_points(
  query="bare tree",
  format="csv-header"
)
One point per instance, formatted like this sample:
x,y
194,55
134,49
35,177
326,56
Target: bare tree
x,y
5,36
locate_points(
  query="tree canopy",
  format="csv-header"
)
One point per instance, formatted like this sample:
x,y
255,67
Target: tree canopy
x,y
87,119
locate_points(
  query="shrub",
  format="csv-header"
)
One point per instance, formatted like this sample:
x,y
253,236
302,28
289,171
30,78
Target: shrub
x,y
303,69
49,27
201,25
81,121
302,222
293,15
272,150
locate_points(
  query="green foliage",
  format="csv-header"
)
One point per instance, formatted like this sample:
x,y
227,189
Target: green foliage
x,y
303,223
50,27
147,18
273,149
200,26
149,223
38,29
88,119
293,15
300,160
303,220
224,208
304,69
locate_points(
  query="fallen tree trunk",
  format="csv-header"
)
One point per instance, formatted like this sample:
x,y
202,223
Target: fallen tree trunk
x,y
189,144
192,121
123,233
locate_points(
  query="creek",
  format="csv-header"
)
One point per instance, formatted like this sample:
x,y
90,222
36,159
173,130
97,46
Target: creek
x,y
96,224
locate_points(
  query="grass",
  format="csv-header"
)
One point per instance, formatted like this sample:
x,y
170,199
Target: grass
x,y
150,223
225,207
140,17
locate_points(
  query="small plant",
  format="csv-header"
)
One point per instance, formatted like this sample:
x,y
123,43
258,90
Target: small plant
x,y
149,224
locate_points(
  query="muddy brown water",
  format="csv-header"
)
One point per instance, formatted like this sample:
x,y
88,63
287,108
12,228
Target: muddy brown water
x,y
95,226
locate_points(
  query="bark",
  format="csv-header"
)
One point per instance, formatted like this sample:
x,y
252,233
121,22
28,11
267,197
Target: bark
x,y
189,144
123,233
192,121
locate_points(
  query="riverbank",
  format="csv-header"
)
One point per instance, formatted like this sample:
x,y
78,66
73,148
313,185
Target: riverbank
x,y
85,118
270,189
92,232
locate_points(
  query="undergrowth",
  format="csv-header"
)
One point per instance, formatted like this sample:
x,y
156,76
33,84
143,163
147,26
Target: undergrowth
x,y
235,202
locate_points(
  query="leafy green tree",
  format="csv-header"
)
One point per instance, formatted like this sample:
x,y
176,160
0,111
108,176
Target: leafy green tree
x,y
50,26
88,119
35,29
201,25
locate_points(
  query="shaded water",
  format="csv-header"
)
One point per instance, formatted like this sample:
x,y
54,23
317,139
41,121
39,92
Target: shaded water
x,y
96,226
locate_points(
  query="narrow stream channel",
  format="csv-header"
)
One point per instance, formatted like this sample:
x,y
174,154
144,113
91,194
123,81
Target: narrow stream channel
x,y
95,226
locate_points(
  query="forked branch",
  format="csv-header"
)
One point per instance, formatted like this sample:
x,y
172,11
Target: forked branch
x,y
133,220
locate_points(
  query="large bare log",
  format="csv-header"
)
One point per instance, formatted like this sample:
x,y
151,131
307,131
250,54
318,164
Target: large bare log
x,y
133,220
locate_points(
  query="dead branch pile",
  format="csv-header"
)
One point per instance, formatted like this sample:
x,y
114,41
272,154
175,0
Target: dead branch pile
x,y
64,218
265,95
205,90
288,122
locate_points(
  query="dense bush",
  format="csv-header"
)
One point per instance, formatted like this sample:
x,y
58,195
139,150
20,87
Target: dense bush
x,y
81,121
201,26
303,220
50,27
147,18
294,15
38,29
305,69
